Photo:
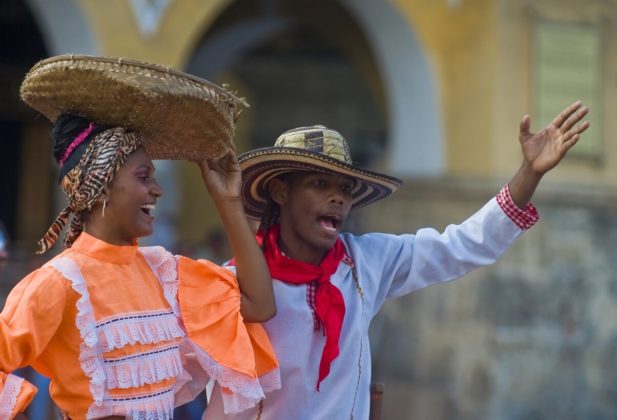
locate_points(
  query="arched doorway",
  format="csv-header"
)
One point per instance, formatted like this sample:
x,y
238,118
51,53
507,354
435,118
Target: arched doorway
x,y
299,63
355,65
373,36
415,143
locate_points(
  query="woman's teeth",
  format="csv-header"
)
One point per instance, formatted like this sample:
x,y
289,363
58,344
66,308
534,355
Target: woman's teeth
x,y
148,208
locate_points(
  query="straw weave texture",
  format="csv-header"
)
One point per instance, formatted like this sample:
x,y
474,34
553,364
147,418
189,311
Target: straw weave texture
x,y
180,116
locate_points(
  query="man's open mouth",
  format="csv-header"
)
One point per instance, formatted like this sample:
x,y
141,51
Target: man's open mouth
x,y
329,222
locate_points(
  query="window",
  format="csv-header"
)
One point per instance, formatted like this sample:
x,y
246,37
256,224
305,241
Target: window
x,y
567,64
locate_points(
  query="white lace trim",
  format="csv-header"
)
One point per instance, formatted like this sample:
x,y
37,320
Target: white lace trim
x,y
115,335
157,406
90,356
8,395
142,327
236,402
193,379
271,381
144,368
247,391
165,266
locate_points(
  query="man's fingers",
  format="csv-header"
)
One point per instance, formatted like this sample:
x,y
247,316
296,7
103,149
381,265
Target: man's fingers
x,y
571,141
574,118
563,115
524,126
567,136
581,127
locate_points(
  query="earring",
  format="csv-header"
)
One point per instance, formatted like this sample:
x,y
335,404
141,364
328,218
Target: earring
x,y
104,205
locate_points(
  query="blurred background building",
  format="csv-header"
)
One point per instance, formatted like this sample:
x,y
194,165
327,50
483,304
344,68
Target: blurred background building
x,y
431,91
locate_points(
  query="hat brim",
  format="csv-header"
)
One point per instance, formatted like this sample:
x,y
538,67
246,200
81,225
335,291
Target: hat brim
x,y
261,165
179,115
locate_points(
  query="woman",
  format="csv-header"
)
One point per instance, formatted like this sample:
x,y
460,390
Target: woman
x,y
129,331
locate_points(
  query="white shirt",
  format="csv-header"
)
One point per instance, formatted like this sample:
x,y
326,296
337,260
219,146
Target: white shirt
x,y
387,266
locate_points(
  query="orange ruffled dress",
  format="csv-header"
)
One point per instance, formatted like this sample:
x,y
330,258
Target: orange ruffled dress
x,y
124,330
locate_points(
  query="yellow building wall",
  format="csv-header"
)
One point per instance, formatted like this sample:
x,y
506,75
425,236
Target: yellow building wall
x,y
459,41
480,51
184,22
515,86
458,38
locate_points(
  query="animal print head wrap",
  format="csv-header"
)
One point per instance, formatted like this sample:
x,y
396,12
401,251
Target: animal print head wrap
x,y
84,184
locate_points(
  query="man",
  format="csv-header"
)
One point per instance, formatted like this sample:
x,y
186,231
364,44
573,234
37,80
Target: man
x,y
329,285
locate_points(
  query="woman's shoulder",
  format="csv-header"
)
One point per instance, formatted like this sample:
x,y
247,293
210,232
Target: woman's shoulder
x,y
45,283
47,273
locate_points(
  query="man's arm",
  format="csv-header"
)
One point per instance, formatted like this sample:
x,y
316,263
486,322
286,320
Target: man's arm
x,y
223,179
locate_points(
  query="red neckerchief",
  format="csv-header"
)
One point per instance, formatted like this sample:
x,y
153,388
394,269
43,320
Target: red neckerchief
x,y
329,303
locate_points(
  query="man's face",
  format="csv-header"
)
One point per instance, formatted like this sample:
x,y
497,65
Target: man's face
x,y
314,207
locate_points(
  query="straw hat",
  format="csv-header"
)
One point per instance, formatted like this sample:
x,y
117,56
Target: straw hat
x,y
314,148
181,116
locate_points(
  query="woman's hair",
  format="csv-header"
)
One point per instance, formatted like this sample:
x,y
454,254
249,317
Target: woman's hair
x,y
89,155
66,128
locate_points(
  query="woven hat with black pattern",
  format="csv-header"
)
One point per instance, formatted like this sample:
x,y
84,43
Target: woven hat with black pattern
x,y
315,148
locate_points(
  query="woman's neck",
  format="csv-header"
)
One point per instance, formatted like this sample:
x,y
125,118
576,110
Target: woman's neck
x,y
104,233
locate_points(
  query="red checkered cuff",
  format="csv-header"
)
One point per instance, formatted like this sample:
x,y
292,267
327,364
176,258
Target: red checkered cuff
x,y
523,218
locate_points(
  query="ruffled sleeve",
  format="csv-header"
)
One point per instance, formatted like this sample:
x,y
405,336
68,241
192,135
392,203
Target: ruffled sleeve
x,y
15,395
31,316
237,355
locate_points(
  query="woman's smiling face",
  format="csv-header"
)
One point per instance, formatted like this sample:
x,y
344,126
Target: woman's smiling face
x,y
131,199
